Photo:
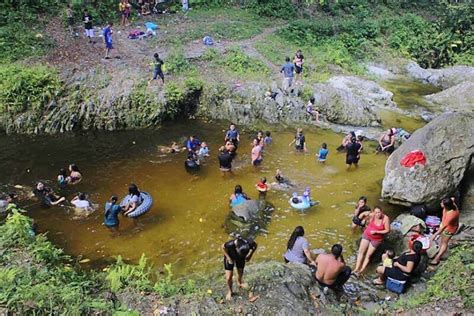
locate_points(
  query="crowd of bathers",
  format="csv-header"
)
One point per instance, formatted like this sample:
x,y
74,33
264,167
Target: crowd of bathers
x,y
330,269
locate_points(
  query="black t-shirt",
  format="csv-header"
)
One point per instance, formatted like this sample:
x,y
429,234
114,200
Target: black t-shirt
x,y
363,209
404,258
45,196
158,64
87,21
231,249
353,149
225,160
299,142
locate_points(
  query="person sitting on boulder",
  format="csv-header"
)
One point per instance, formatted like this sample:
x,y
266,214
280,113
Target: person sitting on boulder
x,y
298,248
449,227
331,269
236,253
402,267
312,110
386,142
361,212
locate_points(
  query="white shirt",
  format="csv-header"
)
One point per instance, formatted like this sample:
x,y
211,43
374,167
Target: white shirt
x,y
81,203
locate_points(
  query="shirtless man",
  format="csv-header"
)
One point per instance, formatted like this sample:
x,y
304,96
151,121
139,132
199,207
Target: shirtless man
x,y
332,271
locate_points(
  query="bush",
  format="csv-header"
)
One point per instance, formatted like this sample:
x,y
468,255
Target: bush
x,y
282,9
177,63
23,88
239,62
122,275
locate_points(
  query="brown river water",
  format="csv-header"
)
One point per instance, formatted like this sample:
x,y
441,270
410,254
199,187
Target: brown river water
x,y
185,225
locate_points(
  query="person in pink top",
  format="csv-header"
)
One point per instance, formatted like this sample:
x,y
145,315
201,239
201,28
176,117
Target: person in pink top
x,y
378,226
256,152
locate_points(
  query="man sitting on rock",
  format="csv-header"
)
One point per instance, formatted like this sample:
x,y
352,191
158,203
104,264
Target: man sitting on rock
x,y
332,271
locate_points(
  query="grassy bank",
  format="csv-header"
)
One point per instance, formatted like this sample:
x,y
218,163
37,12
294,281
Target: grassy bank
x,y
38,278
451,284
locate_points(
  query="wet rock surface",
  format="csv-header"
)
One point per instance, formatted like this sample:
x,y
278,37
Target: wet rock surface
x,y
443,78
448,144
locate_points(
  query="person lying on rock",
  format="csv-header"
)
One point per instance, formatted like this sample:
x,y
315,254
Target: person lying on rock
x,y
331,269
298,249
236,253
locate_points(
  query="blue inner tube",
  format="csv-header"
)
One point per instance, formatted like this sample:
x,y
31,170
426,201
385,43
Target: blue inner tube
x,y
141,209
304,203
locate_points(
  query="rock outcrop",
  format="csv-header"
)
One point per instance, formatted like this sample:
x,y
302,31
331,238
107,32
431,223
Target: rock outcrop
x,y
342,100
448,144
443,78
249,218
459,98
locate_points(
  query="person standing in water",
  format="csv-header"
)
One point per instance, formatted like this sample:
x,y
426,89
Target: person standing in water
x,y
232,135
299,141
323,153
256,152
112,209
75,175
353,153
236,253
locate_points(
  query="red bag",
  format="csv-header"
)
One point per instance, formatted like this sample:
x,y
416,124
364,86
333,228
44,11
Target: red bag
x,y
412,158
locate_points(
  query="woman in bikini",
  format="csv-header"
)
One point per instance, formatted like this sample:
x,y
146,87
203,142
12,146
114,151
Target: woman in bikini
x,y
378,226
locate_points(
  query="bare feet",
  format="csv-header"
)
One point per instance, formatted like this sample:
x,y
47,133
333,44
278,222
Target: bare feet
x,y
228,296
243,285
377,281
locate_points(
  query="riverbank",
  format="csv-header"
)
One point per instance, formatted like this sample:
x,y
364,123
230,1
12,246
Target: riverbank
x,y
36,277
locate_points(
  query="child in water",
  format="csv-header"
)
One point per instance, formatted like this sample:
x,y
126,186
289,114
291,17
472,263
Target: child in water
x,y
388,257
62,182
173,149
268,138
203,151
323,153
262,186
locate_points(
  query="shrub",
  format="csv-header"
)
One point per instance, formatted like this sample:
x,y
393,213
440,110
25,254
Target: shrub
x,y
282,9
122,275
23,88
239,62
177,63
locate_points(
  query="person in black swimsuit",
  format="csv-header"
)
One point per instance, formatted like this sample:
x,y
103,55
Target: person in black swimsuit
x,y
402,267
225,160
360,213
353,153
236,253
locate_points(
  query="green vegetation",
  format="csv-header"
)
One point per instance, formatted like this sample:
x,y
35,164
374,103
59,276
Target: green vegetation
x,y
453,280
37,278
240,63
23,88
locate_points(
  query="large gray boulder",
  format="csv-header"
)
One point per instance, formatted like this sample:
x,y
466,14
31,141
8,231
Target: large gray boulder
x,y
342,100
443,78
448,144
459,98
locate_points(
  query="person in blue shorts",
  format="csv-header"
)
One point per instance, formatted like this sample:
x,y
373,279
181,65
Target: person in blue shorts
x,y
323,153
107,32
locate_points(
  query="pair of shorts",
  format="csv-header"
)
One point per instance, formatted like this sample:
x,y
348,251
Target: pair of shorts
x,y
298,69
158,73
239,263
356,220
374,243
90,32
447,234
395,273
108,45
352,160
257,162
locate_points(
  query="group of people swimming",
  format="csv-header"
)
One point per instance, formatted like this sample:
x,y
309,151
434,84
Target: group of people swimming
x,y
330,269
